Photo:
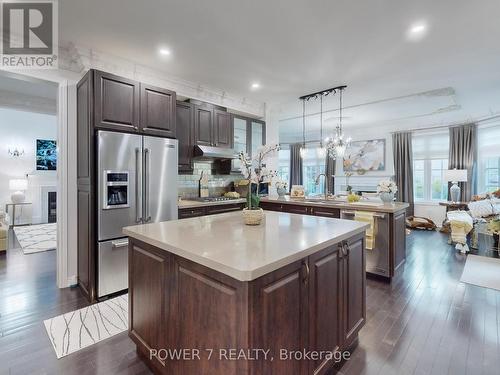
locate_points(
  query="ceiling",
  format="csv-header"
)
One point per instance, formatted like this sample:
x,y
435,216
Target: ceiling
x,y
27,86
296,47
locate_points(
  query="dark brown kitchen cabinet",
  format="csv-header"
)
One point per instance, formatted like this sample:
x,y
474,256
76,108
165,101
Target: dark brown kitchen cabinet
x,y
313,304
185,213
325,311
248,135
109,102
185,116
158,107
223,129
281,305
296,209
355,288
203,125
117,102
325,212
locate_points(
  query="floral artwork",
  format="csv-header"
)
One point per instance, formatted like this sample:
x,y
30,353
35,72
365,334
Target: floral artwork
x,y
363,156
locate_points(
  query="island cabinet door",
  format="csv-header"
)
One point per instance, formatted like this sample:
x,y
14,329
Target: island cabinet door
x,y
148,299
210,315
280,319
354,280
325,305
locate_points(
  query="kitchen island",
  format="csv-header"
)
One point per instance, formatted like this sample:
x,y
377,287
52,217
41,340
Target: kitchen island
x,y
237,299
386,253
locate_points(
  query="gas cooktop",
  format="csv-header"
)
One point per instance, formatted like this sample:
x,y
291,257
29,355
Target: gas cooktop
x,y
214,199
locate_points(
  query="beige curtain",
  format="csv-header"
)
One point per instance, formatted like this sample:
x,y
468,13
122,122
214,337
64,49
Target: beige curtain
x,y
403,168
463,155
296,176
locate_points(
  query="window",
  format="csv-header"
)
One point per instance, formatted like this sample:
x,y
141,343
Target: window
x,y
430,160
312,166
488,158
284,165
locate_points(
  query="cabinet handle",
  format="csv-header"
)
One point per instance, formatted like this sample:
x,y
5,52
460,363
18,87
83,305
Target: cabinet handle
x,y
136,128
346,249
305,278
341,250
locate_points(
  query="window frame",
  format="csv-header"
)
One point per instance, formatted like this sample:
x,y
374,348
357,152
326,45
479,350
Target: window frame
x,y
427,182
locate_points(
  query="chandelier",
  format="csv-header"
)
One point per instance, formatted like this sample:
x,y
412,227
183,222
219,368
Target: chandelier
x,y
335,146
339,142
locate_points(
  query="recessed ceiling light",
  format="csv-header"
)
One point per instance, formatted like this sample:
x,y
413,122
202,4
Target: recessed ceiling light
x,y
417,31
255,86
164,51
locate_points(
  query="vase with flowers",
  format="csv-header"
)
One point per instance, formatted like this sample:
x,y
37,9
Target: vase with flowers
x,y
386,190
256,172
281,188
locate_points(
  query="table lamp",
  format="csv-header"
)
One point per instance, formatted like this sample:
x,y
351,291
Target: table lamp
x,y
19,186
454,176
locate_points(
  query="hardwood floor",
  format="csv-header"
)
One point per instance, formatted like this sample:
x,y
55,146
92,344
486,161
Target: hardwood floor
x,y
29,295
426,322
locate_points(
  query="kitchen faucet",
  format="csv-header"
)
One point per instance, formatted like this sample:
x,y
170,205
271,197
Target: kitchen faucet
x,y
316,182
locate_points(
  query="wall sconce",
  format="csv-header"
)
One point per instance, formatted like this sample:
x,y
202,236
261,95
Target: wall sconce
x,y
16,153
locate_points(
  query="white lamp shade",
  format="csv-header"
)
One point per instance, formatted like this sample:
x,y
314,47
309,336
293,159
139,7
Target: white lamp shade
x,y
18,184
455,175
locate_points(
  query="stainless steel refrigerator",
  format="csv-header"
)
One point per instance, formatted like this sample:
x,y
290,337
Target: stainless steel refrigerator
x,y
137,184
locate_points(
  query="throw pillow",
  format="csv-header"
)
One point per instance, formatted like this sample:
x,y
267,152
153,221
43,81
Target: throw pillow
x,y
481,208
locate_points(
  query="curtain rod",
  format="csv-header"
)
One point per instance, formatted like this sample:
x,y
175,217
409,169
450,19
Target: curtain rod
x,y
449,125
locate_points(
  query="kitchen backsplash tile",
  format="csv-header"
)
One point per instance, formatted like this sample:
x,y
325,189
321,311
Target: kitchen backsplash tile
x,y
217,184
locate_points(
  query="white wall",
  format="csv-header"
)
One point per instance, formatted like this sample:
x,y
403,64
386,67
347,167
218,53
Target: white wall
x,y
21,129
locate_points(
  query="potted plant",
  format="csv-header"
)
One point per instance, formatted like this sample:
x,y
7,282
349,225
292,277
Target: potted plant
x,y
255,171
386,189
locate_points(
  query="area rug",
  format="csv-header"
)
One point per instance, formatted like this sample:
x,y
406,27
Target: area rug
x,y
81,328
482,271
37,238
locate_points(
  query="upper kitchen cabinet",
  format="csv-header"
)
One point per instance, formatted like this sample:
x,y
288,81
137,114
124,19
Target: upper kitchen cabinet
x,y
125,105
223,130
185,116
116,101
203,125
258,135
157,111
248,135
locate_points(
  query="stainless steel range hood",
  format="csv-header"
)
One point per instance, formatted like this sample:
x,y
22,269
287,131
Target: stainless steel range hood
x,y
211,153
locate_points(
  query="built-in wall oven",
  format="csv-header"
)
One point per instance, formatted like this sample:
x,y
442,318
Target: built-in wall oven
x,y
137,179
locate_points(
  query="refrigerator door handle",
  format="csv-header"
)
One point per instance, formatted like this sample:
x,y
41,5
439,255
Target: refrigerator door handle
x,y
138,209
146,185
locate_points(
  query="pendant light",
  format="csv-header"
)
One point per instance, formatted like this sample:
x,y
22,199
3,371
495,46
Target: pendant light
x,y
303,150
321,151
335,145
338,145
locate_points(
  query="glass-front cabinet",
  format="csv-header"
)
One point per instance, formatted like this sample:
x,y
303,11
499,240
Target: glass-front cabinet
x,y
249,135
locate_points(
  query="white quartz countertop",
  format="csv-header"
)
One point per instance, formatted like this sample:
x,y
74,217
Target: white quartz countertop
x,y
225,244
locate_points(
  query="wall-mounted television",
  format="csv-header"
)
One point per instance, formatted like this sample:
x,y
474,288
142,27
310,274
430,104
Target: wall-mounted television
x,y
46,155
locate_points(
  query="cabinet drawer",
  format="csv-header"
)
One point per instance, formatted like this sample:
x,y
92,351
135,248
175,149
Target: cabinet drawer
x,y
191,212
223,208
326,212
296,209
271,206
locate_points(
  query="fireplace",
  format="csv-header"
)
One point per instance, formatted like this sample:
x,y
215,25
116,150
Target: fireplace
x,y
52,207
